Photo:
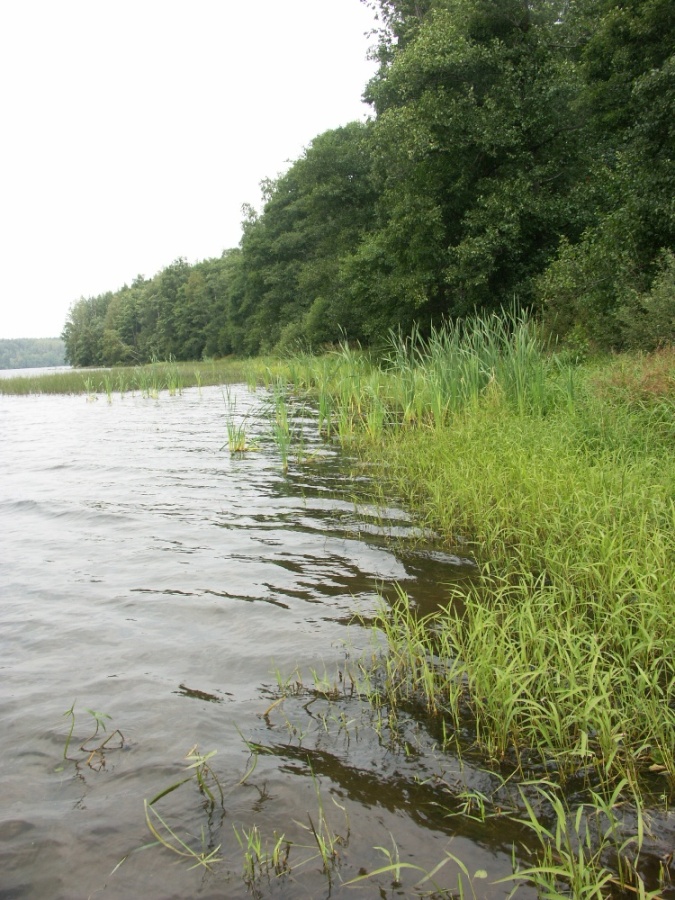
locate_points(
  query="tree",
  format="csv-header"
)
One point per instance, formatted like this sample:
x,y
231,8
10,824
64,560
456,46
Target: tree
x,y
291,254
475,153
600,283
84,330
223,279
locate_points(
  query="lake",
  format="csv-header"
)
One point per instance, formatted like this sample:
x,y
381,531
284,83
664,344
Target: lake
x,y
151,577
28,373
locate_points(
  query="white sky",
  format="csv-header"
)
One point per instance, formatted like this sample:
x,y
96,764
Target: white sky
x,y
131,132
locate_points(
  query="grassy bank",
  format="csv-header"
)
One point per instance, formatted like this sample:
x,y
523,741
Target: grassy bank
x,y
558,663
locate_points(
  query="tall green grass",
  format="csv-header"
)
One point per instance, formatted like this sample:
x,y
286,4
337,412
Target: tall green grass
x,y
424,381
559,660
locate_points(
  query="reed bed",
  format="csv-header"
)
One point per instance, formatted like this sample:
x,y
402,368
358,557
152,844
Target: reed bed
x,y
148,380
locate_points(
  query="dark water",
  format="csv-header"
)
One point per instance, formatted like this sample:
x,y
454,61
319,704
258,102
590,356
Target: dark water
x,y
150,576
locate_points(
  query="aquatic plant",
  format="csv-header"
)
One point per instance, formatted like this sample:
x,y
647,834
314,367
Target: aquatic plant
x,y
209,785
94,749
122,381
272,858
108,386
89,388
236,437
167,837
261,861
237,440
426,882
202,774
574,848
173,377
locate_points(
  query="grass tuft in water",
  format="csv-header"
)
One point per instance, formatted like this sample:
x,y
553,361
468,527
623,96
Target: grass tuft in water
x,y
95,746
237,440
210,788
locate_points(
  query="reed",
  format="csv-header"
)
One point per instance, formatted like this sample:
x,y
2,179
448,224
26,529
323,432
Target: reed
x,y
108,385
198,380
174,378
122,382
422,381
237,442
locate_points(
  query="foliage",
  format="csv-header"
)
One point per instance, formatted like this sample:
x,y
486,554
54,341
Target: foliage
x,y
176,314
648,320
291,254
29,353
615,271
474,122
148,380
518,151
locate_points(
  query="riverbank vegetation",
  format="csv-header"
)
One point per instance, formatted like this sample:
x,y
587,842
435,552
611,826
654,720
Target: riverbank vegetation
x,y
560,481
557,663
553,666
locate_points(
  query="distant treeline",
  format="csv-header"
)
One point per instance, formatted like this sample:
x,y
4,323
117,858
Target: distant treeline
x,y
31,353
518,151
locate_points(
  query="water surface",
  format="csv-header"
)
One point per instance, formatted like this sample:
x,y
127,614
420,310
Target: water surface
x,y
150,576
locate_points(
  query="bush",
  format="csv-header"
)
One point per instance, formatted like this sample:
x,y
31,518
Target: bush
x,y
648,320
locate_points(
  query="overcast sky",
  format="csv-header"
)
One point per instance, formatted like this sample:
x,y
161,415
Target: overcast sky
x,y
133,131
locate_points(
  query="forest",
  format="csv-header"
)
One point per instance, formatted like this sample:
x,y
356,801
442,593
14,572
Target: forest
x,y
519,152
28,353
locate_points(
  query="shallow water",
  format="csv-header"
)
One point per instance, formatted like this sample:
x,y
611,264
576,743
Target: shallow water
x,y
149,575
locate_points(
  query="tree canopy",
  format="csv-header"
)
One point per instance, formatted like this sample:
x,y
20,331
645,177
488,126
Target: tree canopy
x,y
518,150
29,353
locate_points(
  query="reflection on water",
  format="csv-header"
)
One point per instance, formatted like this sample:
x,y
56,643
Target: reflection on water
x,y
150,576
